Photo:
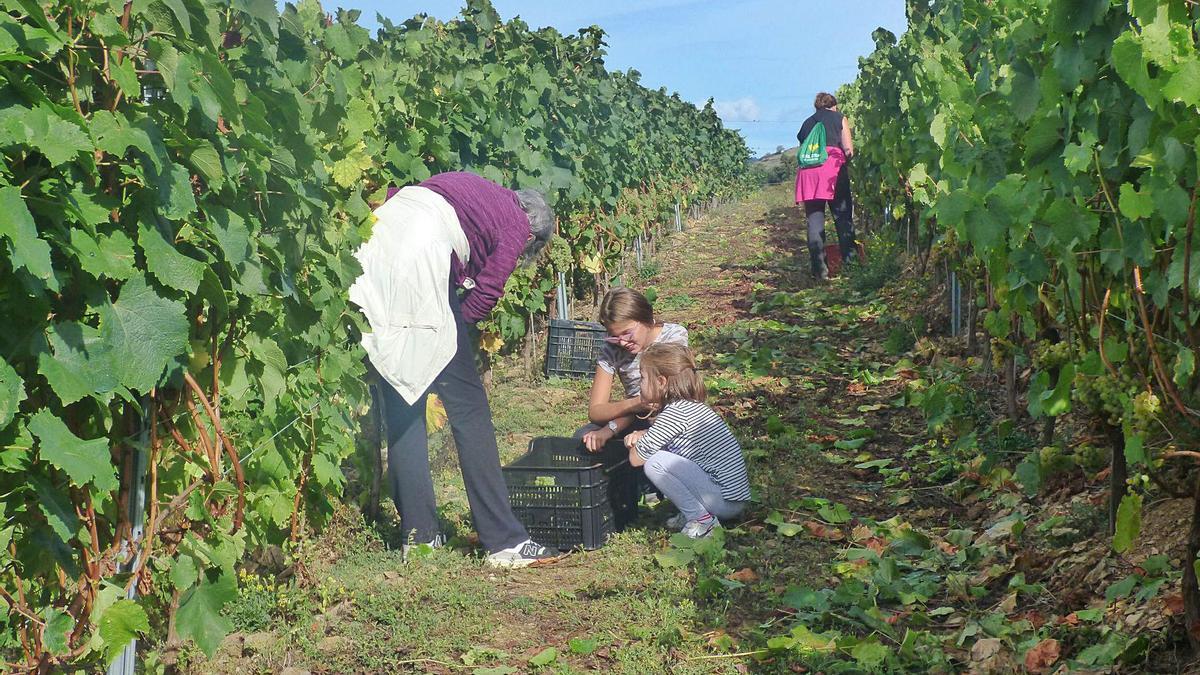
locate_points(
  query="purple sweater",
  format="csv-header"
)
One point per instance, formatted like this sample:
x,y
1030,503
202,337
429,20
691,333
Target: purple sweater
x,y
496,228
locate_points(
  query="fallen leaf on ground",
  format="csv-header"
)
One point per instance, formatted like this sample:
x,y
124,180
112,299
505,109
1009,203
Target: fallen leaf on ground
x,y
1034,617
744,575
1174,604
986,649
823,532
861,532
1042,656
875,544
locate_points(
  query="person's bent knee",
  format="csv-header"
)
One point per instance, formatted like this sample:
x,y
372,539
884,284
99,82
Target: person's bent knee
x,y
657,465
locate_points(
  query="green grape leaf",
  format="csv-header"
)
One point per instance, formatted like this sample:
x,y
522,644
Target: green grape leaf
x,y
57,633
233,235
181,14
84,462
1129,522
1122,588
125,76
108,256
12,392
146,331
1058,401
1025,94
1185,367
1135,204
199,617
835,513
175,193
88,207
675,557
1184,85
114,135
207,162
870,653
26,248
184,573
172,268
262,10
58,139
57,509
79,362
120,624
545,657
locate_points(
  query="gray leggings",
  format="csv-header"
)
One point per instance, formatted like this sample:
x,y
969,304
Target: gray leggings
x,y
689,487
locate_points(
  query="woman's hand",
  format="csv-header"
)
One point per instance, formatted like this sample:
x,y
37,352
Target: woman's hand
x,y
632,439
643,406
595,440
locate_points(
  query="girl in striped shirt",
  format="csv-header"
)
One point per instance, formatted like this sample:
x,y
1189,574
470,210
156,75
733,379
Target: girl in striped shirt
x,y
689,453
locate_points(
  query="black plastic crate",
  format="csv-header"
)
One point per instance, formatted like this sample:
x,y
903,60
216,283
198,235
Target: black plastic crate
x,y
573,347
569,498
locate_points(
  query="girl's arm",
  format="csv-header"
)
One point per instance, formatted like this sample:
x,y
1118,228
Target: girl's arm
x,y
665,428
847,138
601,409
631,442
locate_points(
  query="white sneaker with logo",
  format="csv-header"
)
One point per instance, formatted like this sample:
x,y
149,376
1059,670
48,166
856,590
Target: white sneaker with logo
x,y
699,529
522,555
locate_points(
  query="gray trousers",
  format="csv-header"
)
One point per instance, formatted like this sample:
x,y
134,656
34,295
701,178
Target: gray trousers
x,y
842,207
462,392
689,487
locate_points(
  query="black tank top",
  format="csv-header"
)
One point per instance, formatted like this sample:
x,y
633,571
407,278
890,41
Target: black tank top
x,y
833,127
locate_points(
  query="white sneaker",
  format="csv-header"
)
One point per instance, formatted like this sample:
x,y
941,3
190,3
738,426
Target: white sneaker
x,y
423,548
699,529
522,555
676,521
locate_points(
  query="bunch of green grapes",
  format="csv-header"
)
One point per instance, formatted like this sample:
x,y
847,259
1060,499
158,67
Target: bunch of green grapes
x,y
1047,354
1105,395
1146,407
1001,349
559,252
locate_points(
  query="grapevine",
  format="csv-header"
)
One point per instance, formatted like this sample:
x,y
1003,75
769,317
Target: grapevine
x,y
184,186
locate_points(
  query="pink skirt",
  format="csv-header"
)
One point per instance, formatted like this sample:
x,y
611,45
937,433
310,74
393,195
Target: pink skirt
x,y
818,182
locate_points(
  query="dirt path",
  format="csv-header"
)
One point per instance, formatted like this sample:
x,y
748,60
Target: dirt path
x,y
866,549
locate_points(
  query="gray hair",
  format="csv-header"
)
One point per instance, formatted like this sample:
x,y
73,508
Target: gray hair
x,y
541,221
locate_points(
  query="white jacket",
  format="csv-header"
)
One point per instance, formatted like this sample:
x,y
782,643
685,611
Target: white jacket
x,y
404,288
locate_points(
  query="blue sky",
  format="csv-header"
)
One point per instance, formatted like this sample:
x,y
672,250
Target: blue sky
x,y
762,61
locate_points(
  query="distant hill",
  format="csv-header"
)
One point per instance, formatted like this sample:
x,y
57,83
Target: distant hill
x,y
773,159
772,169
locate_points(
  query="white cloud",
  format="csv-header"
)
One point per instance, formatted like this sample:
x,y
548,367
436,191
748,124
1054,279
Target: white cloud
x,y
744,109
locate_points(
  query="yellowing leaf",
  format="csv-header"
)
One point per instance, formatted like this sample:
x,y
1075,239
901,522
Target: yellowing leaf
x,y
491,342
435,414
592,263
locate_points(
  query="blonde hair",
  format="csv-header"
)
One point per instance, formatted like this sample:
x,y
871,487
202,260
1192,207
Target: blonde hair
x,y
674,362
625,304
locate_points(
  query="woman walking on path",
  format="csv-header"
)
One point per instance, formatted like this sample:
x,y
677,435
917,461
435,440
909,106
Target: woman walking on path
x,y
827,183
629,319
453,231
